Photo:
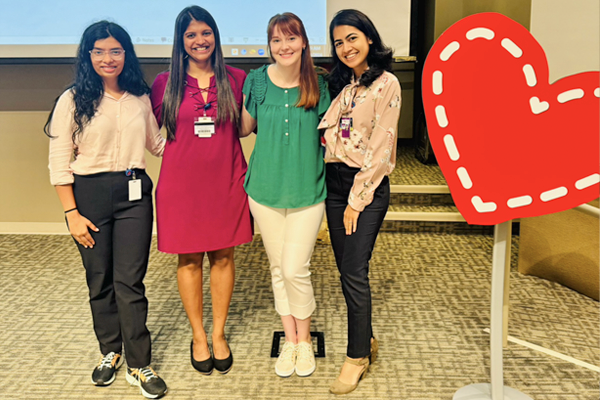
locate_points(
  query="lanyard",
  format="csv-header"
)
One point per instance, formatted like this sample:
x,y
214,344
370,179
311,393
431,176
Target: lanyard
x,y
347,99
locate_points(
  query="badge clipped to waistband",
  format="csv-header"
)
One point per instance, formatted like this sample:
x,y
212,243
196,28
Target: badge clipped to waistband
x,y
135,186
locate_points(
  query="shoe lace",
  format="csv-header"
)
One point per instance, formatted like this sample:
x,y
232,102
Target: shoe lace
x,y
148,373
304,351
288,351
106,361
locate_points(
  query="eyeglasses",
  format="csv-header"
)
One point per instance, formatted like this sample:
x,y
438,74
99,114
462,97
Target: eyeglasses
x,y
115,54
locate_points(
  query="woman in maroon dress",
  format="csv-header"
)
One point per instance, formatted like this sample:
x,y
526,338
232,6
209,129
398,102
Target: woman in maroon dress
x,y
200,199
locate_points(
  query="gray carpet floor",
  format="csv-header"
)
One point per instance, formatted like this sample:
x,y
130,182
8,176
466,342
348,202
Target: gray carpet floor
x,y
430,308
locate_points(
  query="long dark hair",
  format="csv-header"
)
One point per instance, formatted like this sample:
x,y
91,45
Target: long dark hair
x,y
290,24
88,87
227,107
379,58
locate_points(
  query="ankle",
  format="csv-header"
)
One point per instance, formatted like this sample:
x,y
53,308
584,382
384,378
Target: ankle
x,y
307,339
354,359
355,364
199,336
202,342
219,337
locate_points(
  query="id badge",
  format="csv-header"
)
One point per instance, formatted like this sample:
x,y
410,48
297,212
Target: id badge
x,y
346,126
204,127
135,189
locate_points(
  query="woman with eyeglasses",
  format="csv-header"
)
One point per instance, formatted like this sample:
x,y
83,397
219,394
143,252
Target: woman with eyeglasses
x,y
99,130
360,136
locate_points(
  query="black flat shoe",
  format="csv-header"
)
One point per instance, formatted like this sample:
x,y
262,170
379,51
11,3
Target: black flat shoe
x,y
204,367
224,366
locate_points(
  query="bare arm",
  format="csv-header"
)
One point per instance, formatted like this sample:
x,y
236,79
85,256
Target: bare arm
x,y
78,224
248,124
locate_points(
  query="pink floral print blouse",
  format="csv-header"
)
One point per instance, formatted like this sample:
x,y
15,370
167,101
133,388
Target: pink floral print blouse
x,y
371,145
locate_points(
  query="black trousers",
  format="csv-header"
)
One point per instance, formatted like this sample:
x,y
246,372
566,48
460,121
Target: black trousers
x,y
115,267
353,252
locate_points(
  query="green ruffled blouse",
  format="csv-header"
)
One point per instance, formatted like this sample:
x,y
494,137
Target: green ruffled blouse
x,y
286,169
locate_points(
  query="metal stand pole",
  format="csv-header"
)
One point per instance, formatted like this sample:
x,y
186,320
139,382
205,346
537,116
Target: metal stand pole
x,y
496,390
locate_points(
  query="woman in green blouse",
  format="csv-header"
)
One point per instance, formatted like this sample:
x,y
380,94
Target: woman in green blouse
x,y
285,181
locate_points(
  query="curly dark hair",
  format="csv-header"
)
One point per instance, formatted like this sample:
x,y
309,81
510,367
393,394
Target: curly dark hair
x,y
379,58
88,87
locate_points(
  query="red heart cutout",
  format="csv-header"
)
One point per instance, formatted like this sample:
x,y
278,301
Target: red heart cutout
x,y
510,145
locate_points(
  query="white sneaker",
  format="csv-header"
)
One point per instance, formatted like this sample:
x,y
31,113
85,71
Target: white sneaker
x,y
286,362
305,359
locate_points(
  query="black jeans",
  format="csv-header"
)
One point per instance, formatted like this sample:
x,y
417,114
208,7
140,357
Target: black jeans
x,y
352,253
115,267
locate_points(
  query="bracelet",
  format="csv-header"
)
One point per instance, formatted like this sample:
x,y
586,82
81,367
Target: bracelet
x,y
72,209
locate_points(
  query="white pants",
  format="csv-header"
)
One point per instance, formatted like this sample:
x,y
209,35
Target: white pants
x,y
289,236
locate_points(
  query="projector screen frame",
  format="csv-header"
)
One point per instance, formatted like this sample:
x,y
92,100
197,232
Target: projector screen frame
x,y
413,45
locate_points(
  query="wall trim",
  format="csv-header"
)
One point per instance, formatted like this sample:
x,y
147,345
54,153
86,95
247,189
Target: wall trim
x,y
38,228
33,228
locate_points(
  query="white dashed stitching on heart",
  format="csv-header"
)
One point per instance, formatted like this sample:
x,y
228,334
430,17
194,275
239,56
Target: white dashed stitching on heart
x,y
554,194
477,33
451,147
537,106
482,207
512,48
587,181
440,113
438,87
529,75
464,177
521,201
449,50
569,95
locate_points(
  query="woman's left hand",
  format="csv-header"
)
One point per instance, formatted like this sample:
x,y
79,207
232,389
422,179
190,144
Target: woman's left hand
x,y
350,220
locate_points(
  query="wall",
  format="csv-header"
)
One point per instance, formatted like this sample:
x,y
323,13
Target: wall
x,y
449,11
28,203
568,31
572,44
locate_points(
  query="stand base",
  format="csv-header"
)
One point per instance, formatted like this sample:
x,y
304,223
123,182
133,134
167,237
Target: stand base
x,y
483,391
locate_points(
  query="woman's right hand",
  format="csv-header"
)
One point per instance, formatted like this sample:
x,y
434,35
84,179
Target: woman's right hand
x,y
78,227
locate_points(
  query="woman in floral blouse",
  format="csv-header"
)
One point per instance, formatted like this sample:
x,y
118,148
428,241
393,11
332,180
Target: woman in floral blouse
x,y
360,140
